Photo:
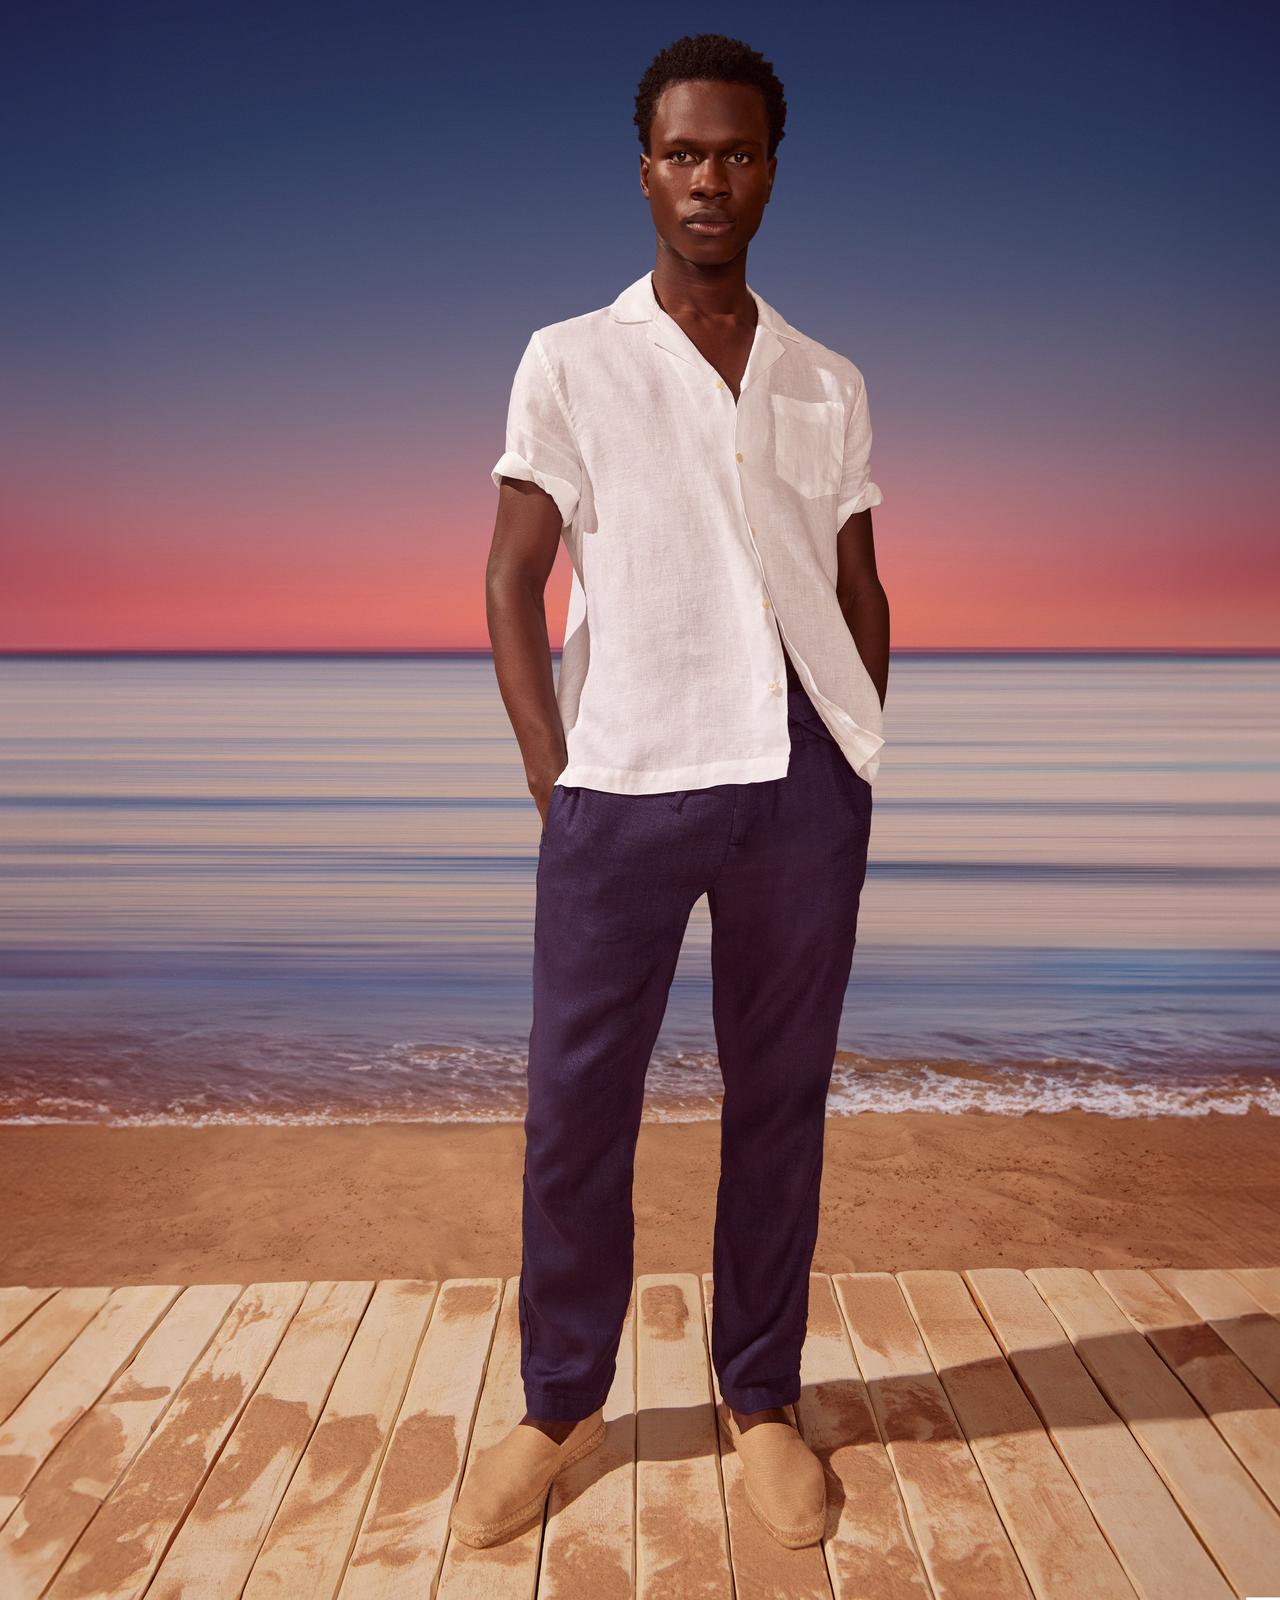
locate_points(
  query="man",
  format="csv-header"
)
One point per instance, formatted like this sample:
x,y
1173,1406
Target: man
x,y
714,730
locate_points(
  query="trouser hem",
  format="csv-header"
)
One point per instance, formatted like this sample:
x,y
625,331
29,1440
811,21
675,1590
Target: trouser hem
x,y
560,1405
760,1397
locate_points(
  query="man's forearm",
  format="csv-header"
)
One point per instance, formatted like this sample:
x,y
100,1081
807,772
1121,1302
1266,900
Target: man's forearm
x,y
517,620
866,615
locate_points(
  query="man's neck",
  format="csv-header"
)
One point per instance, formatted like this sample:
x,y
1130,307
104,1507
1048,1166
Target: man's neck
x,y
716,297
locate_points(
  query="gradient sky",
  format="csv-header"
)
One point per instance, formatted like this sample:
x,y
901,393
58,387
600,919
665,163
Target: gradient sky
x,y
268,269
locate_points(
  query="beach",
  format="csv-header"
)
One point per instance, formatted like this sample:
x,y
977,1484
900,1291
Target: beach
x,y
130,1205
265,976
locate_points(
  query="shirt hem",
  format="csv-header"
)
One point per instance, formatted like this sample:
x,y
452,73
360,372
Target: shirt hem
x,y
627,780
865,755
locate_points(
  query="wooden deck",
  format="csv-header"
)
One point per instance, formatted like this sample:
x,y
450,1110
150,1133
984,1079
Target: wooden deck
x,y
1058,1433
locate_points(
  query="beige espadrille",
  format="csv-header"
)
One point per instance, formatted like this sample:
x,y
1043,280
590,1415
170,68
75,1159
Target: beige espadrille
x,y
785,1483
507,1485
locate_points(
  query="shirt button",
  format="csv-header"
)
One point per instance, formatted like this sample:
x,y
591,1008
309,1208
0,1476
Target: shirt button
x,y
775,687
765,602
719,383
739,455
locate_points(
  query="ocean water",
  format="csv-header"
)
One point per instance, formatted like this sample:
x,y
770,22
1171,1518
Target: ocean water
x,y
301,889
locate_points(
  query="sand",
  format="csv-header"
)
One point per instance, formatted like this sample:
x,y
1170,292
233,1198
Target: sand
x,y
103,1205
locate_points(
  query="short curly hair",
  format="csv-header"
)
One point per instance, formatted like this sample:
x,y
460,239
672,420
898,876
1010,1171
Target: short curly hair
x,y
716,57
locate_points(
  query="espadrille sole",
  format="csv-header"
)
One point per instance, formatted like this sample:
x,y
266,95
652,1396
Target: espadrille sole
x,y
492,1532
792,1538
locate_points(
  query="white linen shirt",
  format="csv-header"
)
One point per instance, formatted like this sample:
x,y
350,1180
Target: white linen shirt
x,y
702,534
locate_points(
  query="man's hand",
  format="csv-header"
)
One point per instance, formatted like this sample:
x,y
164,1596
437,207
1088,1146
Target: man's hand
x,y
541,791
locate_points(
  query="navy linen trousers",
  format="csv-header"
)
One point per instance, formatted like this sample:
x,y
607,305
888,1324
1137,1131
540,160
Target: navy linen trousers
x,y
782,864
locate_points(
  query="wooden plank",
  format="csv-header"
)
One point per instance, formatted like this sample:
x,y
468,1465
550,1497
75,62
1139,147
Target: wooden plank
x,y
961,1539
762,1568
681,1533
16,1305
217,1543
1228,1307
92,1361
1228,1393
1045,1515
1234,1519
83,1469
121,1547
869,1547
1158,1550
588,1546
507,1570
400,1547
31,1349
1263,1283
306,1548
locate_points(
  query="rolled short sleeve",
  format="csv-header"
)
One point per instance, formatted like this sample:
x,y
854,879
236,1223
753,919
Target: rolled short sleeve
x,y
857,492
541,447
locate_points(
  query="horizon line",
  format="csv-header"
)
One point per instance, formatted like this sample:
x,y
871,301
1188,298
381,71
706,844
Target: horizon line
x,y
481,651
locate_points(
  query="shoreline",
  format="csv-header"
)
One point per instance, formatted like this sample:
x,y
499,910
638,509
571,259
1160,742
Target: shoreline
x,y
448,1085
96,1204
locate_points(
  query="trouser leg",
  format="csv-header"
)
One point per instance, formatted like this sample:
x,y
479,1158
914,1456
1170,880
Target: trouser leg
x,y
784,911
617,878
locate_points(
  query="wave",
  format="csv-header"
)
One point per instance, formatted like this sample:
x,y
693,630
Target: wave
x,y
413,1083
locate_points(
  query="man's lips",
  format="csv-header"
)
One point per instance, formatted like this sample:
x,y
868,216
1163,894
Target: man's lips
x,y
708,224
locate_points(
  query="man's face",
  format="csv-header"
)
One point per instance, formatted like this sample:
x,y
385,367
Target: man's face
x,y
708,148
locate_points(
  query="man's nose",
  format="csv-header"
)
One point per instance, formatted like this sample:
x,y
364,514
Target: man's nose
x,y
710,179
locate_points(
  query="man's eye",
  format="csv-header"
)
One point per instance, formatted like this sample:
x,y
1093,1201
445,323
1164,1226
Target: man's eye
x,y
737,155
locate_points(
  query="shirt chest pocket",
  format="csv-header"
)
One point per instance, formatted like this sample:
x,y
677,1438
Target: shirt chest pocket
x,y
808,445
